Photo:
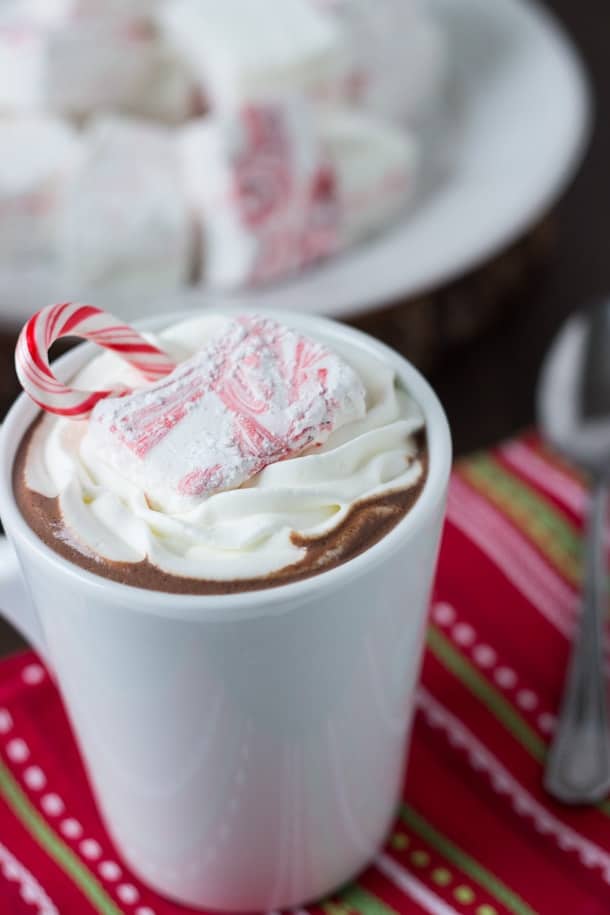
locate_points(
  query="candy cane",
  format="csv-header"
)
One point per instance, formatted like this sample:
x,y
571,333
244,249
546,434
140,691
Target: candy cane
x,y
90,323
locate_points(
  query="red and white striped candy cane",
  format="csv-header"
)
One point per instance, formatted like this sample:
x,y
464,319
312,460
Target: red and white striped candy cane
x,y
90,323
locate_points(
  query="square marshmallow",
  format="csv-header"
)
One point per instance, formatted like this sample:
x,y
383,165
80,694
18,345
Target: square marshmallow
x,y
264,191
399,56
54,12
280,187
257,393
39,156
248,51
74,67
377,168
172,96
125,219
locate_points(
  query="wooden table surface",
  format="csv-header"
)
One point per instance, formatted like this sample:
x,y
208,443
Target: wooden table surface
x,y
487,386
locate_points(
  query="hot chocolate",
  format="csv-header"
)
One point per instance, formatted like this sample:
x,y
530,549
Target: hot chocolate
x,y
304,512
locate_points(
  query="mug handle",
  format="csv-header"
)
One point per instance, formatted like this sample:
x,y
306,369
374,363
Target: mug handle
x,y
15,602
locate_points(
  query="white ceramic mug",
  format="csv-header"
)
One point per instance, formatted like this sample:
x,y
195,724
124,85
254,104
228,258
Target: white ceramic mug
x,y
246,751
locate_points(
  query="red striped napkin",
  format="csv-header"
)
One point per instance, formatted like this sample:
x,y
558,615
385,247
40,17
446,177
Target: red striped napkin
x,y
475,834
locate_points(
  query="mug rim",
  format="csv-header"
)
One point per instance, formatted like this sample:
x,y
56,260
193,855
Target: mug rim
x,y
261,601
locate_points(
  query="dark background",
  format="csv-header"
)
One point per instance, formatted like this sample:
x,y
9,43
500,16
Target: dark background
x,y
487,386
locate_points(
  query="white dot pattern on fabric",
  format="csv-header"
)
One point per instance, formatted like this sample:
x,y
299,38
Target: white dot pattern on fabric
x,y
443,614
521,805
464,634
29,894
484,656
110,870
52,805
500,782
6,722
566,842
33,674
90,849
546,723
527,699
478,761
17,750
71,828
9,870
34,778
144,910
543,824
505,677
127,893
588,857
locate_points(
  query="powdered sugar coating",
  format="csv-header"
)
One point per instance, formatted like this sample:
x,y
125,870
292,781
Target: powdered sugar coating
x,y
256,394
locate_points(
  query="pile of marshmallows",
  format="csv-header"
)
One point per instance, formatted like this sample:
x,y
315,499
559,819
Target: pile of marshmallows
x,y
153,143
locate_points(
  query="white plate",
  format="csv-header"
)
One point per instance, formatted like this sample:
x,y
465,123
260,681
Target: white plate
x,y
524,125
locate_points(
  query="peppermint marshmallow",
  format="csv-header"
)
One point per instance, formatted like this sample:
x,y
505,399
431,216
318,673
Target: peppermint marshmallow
x,y
40,11
264,190
74,67
376,167
256,394
248,51
125,219
172,96
39,156
61,11
399,56
283,186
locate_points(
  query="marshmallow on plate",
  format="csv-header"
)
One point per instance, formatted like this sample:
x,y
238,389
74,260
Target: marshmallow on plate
x,y
172,96
45,12
376,166
256,394
59,11
263,188
280,187
244,51
399,56
74,67
125,219
39,154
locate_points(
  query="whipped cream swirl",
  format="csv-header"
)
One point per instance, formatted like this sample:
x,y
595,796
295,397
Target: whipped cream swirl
x,y
241,533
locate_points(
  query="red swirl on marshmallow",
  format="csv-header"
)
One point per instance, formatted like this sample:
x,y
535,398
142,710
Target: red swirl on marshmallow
x,y
256,394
